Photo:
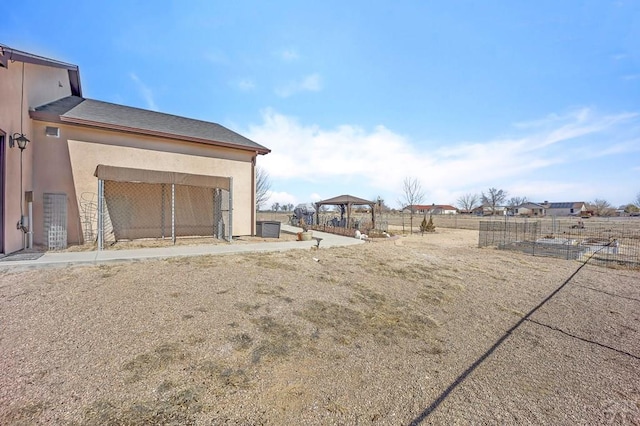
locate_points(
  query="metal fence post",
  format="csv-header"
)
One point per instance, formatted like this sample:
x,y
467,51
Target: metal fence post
x,y
100,214
230,209
162,194
173,212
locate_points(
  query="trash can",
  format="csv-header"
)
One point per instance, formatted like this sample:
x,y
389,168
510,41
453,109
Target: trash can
x,y
268,229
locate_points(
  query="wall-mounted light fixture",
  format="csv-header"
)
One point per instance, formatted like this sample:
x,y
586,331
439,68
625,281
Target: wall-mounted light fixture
x,y
18,139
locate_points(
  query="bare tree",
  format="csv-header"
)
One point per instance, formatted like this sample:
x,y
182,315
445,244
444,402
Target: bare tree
x,y
381,205
601,207
516,201
638,200
412,195
275,207
263,186
468,202
494,197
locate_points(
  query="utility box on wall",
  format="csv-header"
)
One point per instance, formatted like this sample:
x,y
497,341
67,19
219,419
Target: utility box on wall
x,y
268,229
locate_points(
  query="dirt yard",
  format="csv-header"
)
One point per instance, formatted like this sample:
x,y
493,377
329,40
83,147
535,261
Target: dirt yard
x,y
429,330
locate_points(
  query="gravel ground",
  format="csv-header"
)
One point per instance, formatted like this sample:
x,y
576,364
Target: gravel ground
x,y
428,330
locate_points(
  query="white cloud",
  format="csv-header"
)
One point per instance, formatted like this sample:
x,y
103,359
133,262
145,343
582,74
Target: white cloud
x,y
145,91
288,55
245,84
380,159
310,83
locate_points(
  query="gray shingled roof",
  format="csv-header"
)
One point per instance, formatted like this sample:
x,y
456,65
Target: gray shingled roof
x,y
77,110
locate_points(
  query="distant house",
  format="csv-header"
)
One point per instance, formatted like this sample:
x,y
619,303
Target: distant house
x,y
529,209
571,208
433,209
90,167
487,210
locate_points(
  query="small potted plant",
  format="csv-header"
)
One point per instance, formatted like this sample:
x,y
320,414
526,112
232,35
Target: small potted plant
x,y
306,234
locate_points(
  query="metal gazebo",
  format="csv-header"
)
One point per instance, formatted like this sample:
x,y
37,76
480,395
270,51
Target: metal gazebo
x,y
346,201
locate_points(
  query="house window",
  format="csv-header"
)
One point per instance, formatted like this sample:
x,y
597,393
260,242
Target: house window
x,y
571,210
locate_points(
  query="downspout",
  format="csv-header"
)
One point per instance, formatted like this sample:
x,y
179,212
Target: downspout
x,y
253,197
230,237
30,225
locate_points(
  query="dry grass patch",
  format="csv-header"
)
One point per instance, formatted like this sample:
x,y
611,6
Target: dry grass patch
x,y
369,333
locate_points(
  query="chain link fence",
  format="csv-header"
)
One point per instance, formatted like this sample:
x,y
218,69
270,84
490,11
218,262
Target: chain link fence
x,y
161,211
605,245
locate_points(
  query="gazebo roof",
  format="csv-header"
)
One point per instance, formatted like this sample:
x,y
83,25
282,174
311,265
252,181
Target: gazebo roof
x,y
345,199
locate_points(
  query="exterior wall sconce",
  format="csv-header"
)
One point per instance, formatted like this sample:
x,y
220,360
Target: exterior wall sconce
x,y
18,139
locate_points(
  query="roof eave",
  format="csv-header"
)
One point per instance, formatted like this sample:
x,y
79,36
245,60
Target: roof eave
x,y
36,115
7,55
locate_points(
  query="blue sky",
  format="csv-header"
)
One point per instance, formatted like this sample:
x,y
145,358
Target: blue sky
x,y
539,98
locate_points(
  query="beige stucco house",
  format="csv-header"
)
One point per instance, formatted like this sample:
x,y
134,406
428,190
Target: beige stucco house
x,y
571,208
94,170
529,209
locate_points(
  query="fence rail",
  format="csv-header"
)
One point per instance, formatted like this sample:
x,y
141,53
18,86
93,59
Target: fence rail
x,y
604,245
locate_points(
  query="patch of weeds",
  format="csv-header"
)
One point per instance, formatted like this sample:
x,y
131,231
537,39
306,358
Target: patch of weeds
x,y
206,261
273,262
380,319
165,386
280,340
344,321
26,414
185,399
248,307
432,295
270,290
175,408
192,339
227,376
157,359
107,271
409,272
328,278
369,297
209,368
236,378
447,275
242,341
